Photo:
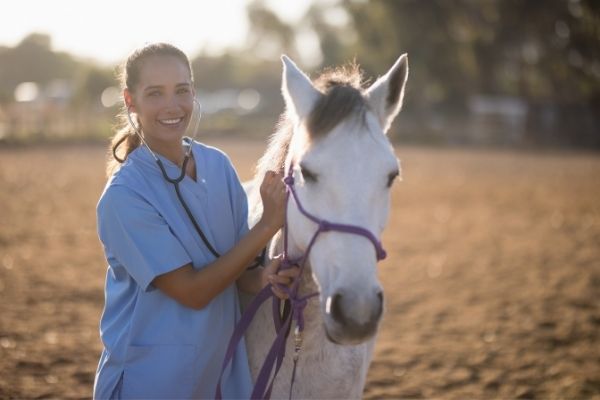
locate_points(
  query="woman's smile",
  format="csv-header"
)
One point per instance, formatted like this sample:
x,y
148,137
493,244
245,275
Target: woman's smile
x,y
178,124
170,122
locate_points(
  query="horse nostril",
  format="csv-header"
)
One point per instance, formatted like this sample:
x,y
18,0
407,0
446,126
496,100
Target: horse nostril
x,y
334,308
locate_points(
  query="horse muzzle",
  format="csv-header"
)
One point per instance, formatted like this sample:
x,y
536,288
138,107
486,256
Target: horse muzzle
x,y
351,319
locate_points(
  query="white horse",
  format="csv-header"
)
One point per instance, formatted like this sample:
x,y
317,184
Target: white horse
x,y
333,136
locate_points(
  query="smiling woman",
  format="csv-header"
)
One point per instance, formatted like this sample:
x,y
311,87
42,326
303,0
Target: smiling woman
x,y
162,100
171,298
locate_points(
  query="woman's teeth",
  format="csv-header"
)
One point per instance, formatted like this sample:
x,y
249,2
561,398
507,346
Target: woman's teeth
x,y
171,121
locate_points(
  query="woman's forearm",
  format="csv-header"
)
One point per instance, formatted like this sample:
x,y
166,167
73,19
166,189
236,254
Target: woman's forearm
x,y
195,288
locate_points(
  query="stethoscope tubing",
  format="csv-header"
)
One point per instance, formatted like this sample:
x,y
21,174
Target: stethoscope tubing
x,y
175,183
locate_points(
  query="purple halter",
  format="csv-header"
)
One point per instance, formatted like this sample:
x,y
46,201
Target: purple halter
x,y
326,226
262,388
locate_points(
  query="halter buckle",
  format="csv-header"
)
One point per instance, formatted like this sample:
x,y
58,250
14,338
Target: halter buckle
x,y
298,338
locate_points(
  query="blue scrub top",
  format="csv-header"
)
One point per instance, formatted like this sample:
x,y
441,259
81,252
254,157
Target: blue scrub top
x,y
154,347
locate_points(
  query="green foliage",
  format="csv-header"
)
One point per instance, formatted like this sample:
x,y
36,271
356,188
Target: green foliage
x,y
541,51
537,50
90,83
545,53
33,60
541,54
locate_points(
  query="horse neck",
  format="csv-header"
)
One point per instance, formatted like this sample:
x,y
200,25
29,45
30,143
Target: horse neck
x,y
279,142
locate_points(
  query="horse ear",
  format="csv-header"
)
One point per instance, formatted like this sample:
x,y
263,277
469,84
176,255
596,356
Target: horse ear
x,y
386,94
299,93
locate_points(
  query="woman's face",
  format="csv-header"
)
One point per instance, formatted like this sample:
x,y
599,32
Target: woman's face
x,y
163,99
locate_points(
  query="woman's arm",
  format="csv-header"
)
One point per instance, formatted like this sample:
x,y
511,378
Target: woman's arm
x,y
196,288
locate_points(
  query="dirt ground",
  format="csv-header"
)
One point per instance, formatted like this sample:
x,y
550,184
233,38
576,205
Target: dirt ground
x,y
492,282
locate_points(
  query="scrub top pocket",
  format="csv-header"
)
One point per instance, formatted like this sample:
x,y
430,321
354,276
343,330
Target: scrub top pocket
x,y
160,372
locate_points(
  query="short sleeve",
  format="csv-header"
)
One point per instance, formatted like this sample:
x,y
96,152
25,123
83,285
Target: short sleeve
x,y
137,236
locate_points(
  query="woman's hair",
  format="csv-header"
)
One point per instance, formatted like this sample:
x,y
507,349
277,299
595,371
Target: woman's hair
x,y
125,139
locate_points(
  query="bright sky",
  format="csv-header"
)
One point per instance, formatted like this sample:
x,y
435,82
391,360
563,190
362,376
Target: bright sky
x,y
108,30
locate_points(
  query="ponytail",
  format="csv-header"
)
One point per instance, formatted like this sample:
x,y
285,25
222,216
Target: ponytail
x,y
121,145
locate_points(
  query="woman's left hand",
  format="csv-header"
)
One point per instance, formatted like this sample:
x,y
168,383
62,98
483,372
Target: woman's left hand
x,y
283,277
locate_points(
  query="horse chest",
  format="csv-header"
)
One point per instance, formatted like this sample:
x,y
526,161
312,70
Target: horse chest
x,y
330,371
325,370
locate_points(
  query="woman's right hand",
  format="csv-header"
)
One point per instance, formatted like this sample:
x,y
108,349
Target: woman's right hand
x,y
272,193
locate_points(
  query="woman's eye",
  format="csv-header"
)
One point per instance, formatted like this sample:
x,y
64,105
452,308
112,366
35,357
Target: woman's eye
x,y
183,91
154,93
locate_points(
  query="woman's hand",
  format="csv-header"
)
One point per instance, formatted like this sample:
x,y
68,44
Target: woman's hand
x,y
285,277
272,192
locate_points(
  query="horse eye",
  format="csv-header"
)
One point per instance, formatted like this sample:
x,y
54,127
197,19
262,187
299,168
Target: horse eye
x,y
307,174
391,177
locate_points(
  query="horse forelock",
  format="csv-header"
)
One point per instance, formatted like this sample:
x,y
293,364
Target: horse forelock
x,y
342,97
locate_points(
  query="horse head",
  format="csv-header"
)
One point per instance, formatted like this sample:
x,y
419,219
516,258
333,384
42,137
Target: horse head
x,y
343,166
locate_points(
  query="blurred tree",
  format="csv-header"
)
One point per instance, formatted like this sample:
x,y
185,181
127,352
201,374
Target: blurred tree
x,y
90,83
537,50
33,60
546,53
334,39
237,71
268,33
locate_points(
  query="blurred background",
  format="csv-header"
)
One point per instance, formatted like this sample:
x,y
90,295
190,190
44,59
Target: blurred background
x,y
508,73
492,279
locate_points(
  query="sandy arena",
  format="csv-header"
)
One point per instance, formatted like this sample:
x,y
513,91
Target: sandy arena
x,y
492,281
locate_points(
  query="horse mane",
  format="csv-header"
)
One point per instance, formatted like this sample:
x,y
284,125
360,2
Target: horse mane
x,y
342,96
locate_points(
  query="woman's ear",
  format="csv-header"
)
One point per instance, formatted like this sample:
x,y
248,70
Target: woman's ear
x,y
128,100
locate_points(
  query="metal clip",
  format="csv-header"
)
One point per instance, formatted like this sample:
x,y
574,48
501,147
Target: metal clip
x,y
298,337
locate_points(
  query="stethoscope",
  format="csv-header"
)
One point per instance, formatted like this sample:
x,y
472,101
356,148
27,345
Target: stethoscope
x,y
196,115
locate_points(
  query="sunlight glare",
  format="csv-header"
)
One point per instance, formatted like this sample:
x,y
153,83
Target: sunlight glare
x,y
26,91
110,96
108,31
248,99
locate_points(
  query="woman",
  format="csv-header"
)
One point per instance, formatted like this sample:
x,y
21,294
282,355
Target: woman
x,y
171,302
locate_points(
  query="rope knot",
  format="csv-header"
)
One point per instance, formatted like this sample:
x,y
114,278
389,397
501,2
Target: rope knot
x,y
288,180
324,226
298,305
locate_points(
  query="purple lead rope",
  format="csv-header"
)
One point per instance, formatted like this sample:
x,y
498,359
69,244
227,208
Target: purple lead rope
x,y
274,360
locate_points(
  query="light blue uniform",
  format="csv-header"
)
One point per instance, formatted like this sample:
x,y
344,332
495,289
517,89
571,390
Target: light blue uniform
x,y
154,347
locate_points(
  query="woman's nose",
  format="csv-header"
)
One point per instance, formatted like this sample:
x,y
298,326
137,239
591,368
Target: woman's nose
x,y
173,104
